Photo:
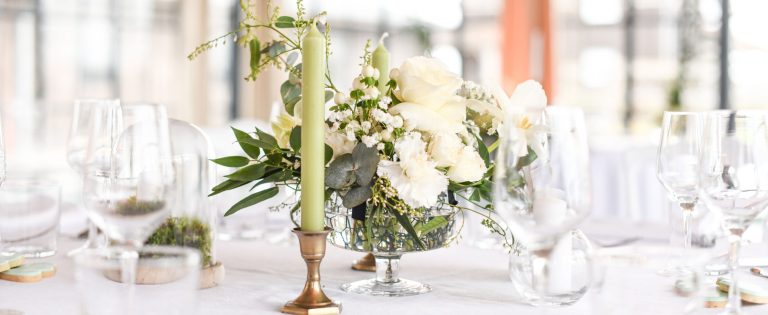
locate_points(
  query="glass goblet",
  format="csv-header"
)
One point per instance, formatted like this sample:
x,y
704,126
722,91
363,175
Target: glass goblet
x,y
734,178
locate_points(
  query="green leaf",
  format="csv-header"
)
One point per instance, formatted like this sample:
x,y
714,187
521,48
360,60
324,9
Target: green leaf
x,y
255,48
406,224
365,162
258,143
275,49
356,196
285,22
290,94
483,150
292,57
340,174
328,153
328,95
295,139
527,159
275,177
268,138
248,173
250,149
435,223
225,185
232,161
252,200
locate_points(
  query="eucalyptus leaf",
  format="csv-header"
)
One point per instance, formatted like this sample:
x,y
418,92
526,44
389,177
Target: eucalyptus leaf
x,y
252,200
295,138
290,94
275,49
328,153
340,174
365,161
328,95
250,149
356,196
232,161
248,173
285,22
292,57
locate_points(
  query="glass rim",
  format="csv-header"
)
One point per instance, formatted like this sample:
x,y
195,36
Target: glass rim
x,y
82,101
110,257
15,183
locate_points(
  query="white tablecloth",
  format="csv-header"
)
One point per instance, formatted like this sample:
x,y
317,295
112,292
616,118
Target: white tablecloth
x,y
466,280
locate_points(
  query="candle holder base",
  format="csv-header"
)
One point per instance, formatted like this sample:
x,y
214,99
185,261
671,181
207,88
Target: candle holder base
x,y
312,300
367,263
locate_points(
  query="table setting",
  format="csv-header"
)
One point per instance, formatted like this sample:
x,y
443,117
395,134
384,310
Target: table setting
x,y
410,190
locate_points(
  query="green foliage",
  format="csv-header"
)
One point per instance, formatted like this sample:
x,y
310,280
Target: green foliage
x,y
351,174
132,206
185,231
232,161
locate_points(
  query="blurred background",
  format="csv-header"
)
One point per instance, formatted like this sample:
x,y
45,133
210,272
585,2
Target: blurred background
x,y
623,61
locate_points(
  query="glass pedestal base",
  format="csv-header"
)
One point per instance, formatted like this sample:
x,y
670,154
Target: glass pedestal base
x,y
401,287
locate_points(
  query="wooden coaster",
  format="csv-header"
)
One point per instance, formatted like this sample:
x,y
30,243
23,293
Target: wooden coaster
x,y
209,277
750,292
714,298
29,272
8,262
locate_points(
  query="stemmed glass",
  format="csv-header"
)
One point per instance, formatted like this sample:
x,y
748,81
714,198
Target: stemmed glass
x,y
544,201
128,175
734,178
677,164
79,134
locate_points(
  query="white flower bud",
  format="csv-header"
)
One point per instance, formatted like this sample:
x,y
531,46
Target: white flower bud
x,y
368,71
398,122
380,146
373,92
340,98
356,84
376,74
394,73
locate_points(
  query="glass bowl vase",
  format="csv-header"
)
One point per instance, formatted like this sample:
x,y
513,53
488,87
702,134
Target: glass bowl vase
x,y
383,236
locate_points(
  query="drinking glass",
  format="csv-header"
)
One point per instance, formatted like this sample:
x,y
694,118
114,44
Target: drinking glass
x,y
173,272
544,201
734,178
2,152
677,164
30,210
76,145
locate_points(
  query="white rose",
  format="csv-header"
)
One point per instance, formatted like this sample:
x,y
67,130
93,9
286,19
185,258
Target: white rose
x,y
444,149
282,127
446,118
469,166
426,81
339,142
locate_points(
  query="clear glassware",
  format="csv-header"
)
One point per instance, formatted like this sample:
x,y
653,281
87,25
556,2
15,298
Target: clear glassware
x,y
77,142
542,202
388,241
677,166
2,153
172,270
30,211
734,178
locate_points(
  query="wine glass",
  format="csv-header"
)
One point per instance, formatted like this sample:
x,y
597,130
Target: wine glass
x,y
542,202
734,178
677,165
2,152
129,172
79,129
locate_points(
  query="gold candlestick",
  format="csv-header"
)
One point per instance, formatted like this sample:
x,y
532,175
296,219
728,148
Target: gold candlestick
x,y
367,263
312,299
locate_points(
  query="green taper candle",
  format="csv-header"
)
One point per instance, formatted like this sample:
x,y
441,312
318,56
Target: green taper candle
x,y
380,61
313,131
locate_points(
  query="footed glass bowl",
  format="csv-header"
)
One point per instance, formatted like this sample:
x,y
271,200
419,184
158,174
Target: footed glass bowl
x,y
384,237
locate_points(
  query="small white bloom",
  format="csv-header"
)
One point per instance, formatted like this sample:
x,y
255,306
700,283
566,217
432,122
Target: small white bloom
x,y
353,126
398,122
357,84
444,148
350,135
340,98
366,125
339,142
380,146
469,166
373,92
376,74
370,141
368,71
386,135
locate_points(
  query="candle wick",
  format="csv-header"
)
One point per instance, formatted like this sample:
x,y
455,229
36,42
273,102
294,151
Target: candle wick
x,y
383,36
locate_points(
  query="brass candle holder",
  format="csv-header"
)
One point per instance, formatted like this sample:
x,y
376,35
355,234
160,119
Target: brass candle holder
x,y
367,263
312,299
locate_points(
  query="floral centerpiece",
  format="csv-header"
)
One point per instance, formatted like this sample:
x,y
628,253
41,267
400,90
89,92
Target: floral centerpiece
x,y
397,150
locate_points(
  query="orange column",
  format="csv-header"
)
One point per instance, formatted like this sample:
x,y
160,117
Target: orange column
x,y
521,19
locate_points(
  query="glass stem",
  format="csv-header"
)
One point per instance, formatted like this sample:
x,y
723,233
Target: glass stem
x,y
687,216
129,261
734,296
93,236
387,269
540,268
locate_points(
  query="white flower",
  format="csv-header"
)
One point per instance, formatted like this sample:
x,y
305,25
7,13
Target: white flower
x,y
444,148
398,122
340,98
373,92
517,128
366,125
428,94
339,142
469,166
368,71
353,126
282,127
380,146
487,115
357,84
417,181
370,141
386,135
394,74
376,74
